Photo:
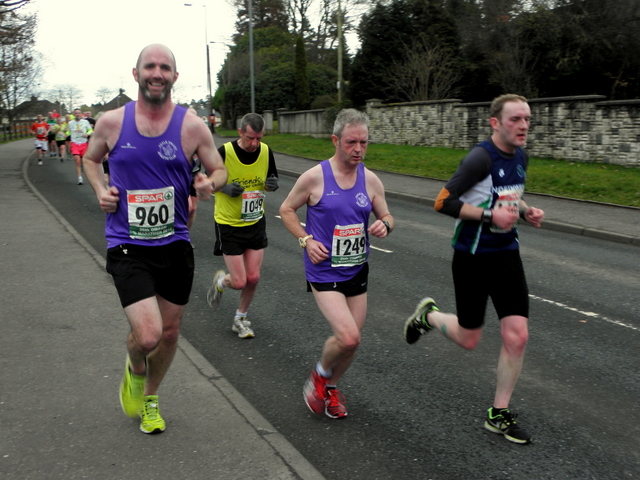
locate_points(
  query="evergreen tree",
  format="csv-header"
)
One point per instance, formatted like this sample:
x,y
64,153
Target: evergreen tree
x,y
301,78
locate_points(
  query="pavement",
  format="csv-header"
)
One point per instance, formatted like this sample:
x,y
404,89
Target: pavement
x,y
62,355
62,351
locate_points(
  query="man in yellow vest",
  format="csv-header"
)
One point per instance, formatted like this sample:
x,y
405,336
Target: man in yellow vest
x,y
241,234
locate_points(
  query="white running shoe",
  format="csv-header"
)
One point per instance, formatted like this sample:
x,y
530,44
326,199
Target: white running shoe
x,y
214,294
241,326
79,180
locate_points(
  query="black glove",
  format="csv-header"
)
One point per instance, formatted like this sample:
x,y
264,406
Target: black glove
x,y
271,183
233,189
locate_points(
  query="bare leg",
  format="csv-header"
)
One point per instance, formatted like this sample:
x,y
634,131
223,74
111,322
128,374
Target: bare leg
x,y
193,207
244,274
346,316
515,335
146,329
78,160
447,324
152,342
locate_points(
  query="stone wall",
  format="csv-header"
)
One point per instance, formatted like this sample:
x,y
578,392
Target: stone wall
x,y
305,122
581,128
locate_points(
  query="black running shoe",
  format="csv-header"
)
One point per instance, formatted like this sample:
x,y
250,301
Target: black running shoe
x,y
505,423
415,325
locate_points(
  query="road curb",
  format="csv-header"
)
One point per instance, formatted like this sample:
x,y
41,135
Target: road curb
x,y
282,448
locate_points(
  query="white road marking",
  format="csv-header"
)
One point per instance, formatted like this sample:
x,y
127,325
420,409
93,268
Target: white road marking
x,y
557,304
586,314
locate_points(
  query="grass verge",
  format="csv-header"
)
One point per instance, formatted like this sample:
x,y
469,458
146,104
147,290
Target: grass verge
x,y
584,181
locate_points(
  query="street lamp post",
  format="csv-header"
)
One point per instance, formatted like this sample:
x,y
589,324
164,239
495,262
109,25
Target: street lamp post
x,y
228,66
206,40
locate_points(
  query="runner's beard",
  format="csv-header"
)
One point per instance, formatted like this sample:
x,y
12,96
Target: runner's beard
x,y
156,100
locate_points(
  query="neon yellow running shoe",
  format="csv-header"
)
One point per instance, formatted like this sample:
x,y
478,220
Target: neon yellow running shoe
x,y
131,392
151,421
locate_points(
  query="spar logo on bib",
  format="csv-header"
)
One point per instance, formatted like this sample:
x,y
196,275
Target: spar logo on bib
x,y
167,150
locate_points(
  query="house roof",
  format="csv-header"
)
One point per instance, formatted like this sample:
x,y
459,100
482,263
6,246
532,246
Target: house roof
x,y
31,108
117,102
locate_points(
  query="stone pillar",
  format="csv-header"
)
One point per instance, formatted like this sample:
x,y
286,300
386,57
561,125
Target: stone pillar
x,y
268,121
373,102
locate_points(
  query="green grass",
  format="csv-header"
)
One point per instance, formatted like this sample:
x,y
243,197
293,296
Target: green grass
x,y
584,181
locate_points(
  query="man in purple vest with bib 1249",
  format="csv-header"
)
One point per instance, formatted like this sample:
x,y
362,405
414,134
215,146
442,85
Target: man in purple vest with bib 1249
x,y
340,193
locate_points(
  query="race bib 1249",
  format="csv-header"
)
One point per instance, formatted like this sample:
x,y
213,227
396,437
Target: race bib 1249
x,y
349,246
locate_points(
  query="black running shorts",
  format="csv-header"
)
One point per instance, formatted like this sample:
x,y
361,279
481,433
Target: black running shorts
x,y
499,276
235,240
141,272
349,288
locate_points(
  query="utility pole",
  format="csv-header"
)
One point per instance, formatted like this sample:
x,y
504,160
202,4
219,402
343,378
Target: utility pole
x,y
206,41
340,49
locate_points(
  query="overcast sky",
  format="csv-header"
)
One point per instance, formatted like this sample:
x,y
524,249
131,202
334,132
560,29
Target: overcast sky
x,y
95,43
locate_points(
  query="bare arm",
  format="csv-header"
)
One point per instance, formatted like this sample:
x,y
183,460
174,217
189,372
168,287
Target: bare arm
x,y
375,190
505,217
533,216
298,196
304,192
502,217
197,139
104,137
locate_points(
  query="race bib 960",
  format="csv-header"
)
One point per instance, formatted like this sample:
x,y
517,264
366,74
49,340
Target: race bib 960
x,y
151,213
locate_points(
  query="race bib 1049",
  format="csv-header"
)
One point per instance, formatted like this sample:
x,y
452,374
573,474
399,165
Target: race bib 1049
x,y
252,206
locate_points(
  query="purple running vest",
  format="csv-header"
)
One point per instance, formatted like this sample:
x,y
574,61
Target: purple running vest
x,y
153,177
338,207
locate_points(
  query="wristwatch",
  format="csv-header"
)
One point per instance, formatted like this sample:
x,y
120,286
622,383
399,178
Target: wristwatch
x,y
303,241
386,224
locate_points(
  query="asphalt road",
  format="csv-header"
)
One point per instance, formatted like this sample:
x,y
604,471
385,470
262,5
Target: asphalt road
x,y
417,411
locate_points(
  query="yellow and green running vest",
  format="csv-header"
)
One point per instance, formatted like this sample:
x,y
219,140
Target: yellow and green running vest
x,y
247,208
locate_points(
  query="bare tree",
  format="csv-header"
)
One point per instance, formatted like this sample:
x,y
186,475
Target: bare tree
x,y
428,71
19,63
7,6
327,27
57,94
513,67
104,94
266,13
67,94
323,42
298,13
